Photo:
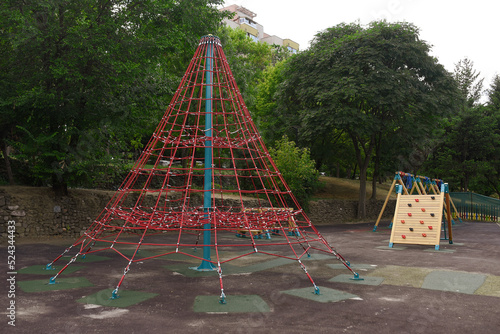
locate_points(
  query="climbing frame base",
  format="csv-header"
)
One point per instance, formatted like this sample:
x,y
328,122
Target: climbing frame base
x,y
417,220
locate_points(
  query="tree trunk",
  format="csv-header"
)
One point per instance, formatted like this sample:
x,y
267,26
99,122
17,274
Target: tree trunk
x,y
59,186
8,167
362,192
376,169
363,159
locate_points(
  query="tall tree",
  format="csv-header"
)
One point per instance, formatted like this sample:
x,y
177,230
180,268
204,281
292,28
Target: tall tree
x,y
469,83
248,60
85,69
494,94
369,82
466,155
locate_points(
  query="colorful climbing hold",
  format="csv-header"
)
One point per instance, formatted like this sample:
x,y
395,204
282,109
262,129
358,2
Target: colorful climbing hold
x,y
430,227
402,221
409,214
424,235
403,236
416,199
409,204
421,222
423,209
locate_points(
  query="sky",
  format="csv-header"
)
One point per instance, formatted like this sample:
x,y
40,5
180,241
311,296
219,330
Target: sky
x,y
455,29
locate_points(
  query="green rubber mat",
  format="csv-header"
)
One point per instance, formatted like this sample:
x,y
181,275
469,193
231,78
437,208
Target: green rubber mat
x,y
454,281
126,298
189,270
326,295
61,284
234,304
40,270
354,266
366,280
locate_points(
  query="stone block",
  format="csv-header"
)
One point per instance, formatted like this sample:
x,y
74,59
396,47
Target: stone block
x,y
18,213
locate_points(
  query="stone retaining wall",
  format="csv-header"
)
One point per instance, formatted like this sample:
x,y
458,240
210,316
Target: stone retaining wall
x,y
38,213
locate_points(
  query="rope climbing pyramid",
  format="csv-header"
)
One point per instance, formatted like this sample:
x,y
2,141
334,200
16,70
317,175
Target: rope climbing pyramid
x,y
204,178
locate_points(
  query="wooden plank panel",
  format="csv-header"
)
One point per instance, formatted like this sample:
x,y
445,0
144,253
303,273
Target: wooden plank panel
x,y
417,220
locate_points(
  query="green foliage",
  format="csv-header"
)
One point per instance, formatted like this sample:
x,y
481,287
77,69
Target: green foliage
x,y
86,79
469,83
297,168
272,123
469,155
367,82
247,60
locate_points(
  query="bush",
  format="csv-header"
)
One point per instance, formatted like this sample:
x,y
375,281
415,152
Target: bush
x,y
297,168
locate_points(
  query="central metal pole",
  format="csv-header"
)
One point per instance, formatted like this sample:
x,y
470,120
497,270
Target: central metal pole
x,y
206,264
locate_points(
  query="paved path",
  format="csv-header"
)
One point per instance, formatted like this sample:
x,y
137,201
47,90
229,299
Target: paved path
x,y
410,289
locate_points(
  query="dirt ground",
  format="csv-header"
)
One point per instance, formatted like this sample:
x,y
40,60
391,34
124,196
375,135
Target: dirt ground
x,y
411,289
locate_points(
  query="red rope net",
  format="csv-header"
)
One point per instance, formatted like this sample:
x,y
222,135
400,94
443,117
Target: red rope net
x,y
161,201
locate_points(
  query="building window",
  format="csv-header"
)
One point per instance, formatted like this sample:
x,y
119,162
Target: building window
x,y
254,38
247,21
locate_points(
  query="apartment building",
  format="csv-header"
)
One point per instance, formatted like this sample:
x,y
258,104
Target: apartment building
x,y
244,19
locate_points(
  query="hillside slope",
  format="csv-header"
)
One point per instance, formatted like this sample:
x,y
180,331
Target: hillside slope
x,y
347,189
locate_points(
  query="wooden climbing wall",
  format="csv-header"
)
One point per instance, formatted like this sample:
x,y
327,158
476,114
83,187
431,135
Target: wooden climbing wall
x,y
417,220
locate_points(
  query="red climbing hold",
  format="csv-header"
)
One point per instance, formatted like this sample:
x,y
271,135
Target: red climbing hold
x,y
423,209
409,214
403,236
421,222
416,199
402,221
430,227
424,235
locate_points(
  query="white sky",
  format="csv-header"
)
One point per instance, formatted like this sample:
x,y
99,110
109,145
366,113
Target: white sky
x,y
455,29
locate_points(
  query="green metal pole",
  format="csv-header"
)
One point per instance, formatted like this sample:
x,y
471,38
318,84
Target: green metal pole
x,y
206,264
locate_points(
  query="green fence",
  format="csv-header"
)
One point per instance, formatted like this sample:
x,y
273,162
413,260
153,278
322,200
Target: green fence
x,y
472,206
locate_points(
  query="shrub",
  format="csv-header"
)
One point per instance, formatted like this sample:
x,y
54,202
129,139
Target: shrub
x,y
297,168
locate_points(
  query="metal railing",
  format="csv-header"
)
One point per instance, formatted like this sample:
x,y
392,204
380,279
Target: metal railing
x,y
471,206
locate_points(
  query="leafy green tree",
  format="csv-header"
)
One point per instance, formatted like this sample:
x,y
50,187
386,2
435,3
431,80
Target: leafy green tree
x,y
469,83
297,168
468,154
494,94
92,75
470,151
247,60
272,123
368,82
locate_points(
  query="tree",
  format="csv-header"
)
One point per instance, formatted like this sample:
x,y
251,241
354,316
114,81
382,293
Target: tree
x,y
368,82
248,60
469,83
468,154
297,168
494,94
86,70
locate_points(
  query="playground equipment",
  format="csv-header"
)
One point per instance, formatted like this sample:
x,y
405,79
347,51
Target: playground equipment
x,y
409,184
418,218
204,176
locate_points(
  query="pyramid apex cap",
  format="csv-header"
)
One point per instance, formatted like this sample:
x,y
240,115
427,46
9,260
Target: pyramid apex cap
x,y
211,39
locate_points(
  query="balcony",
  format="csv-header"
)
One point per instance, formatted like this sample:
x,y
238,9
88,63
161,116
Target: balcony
x,y
291,44
249,29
